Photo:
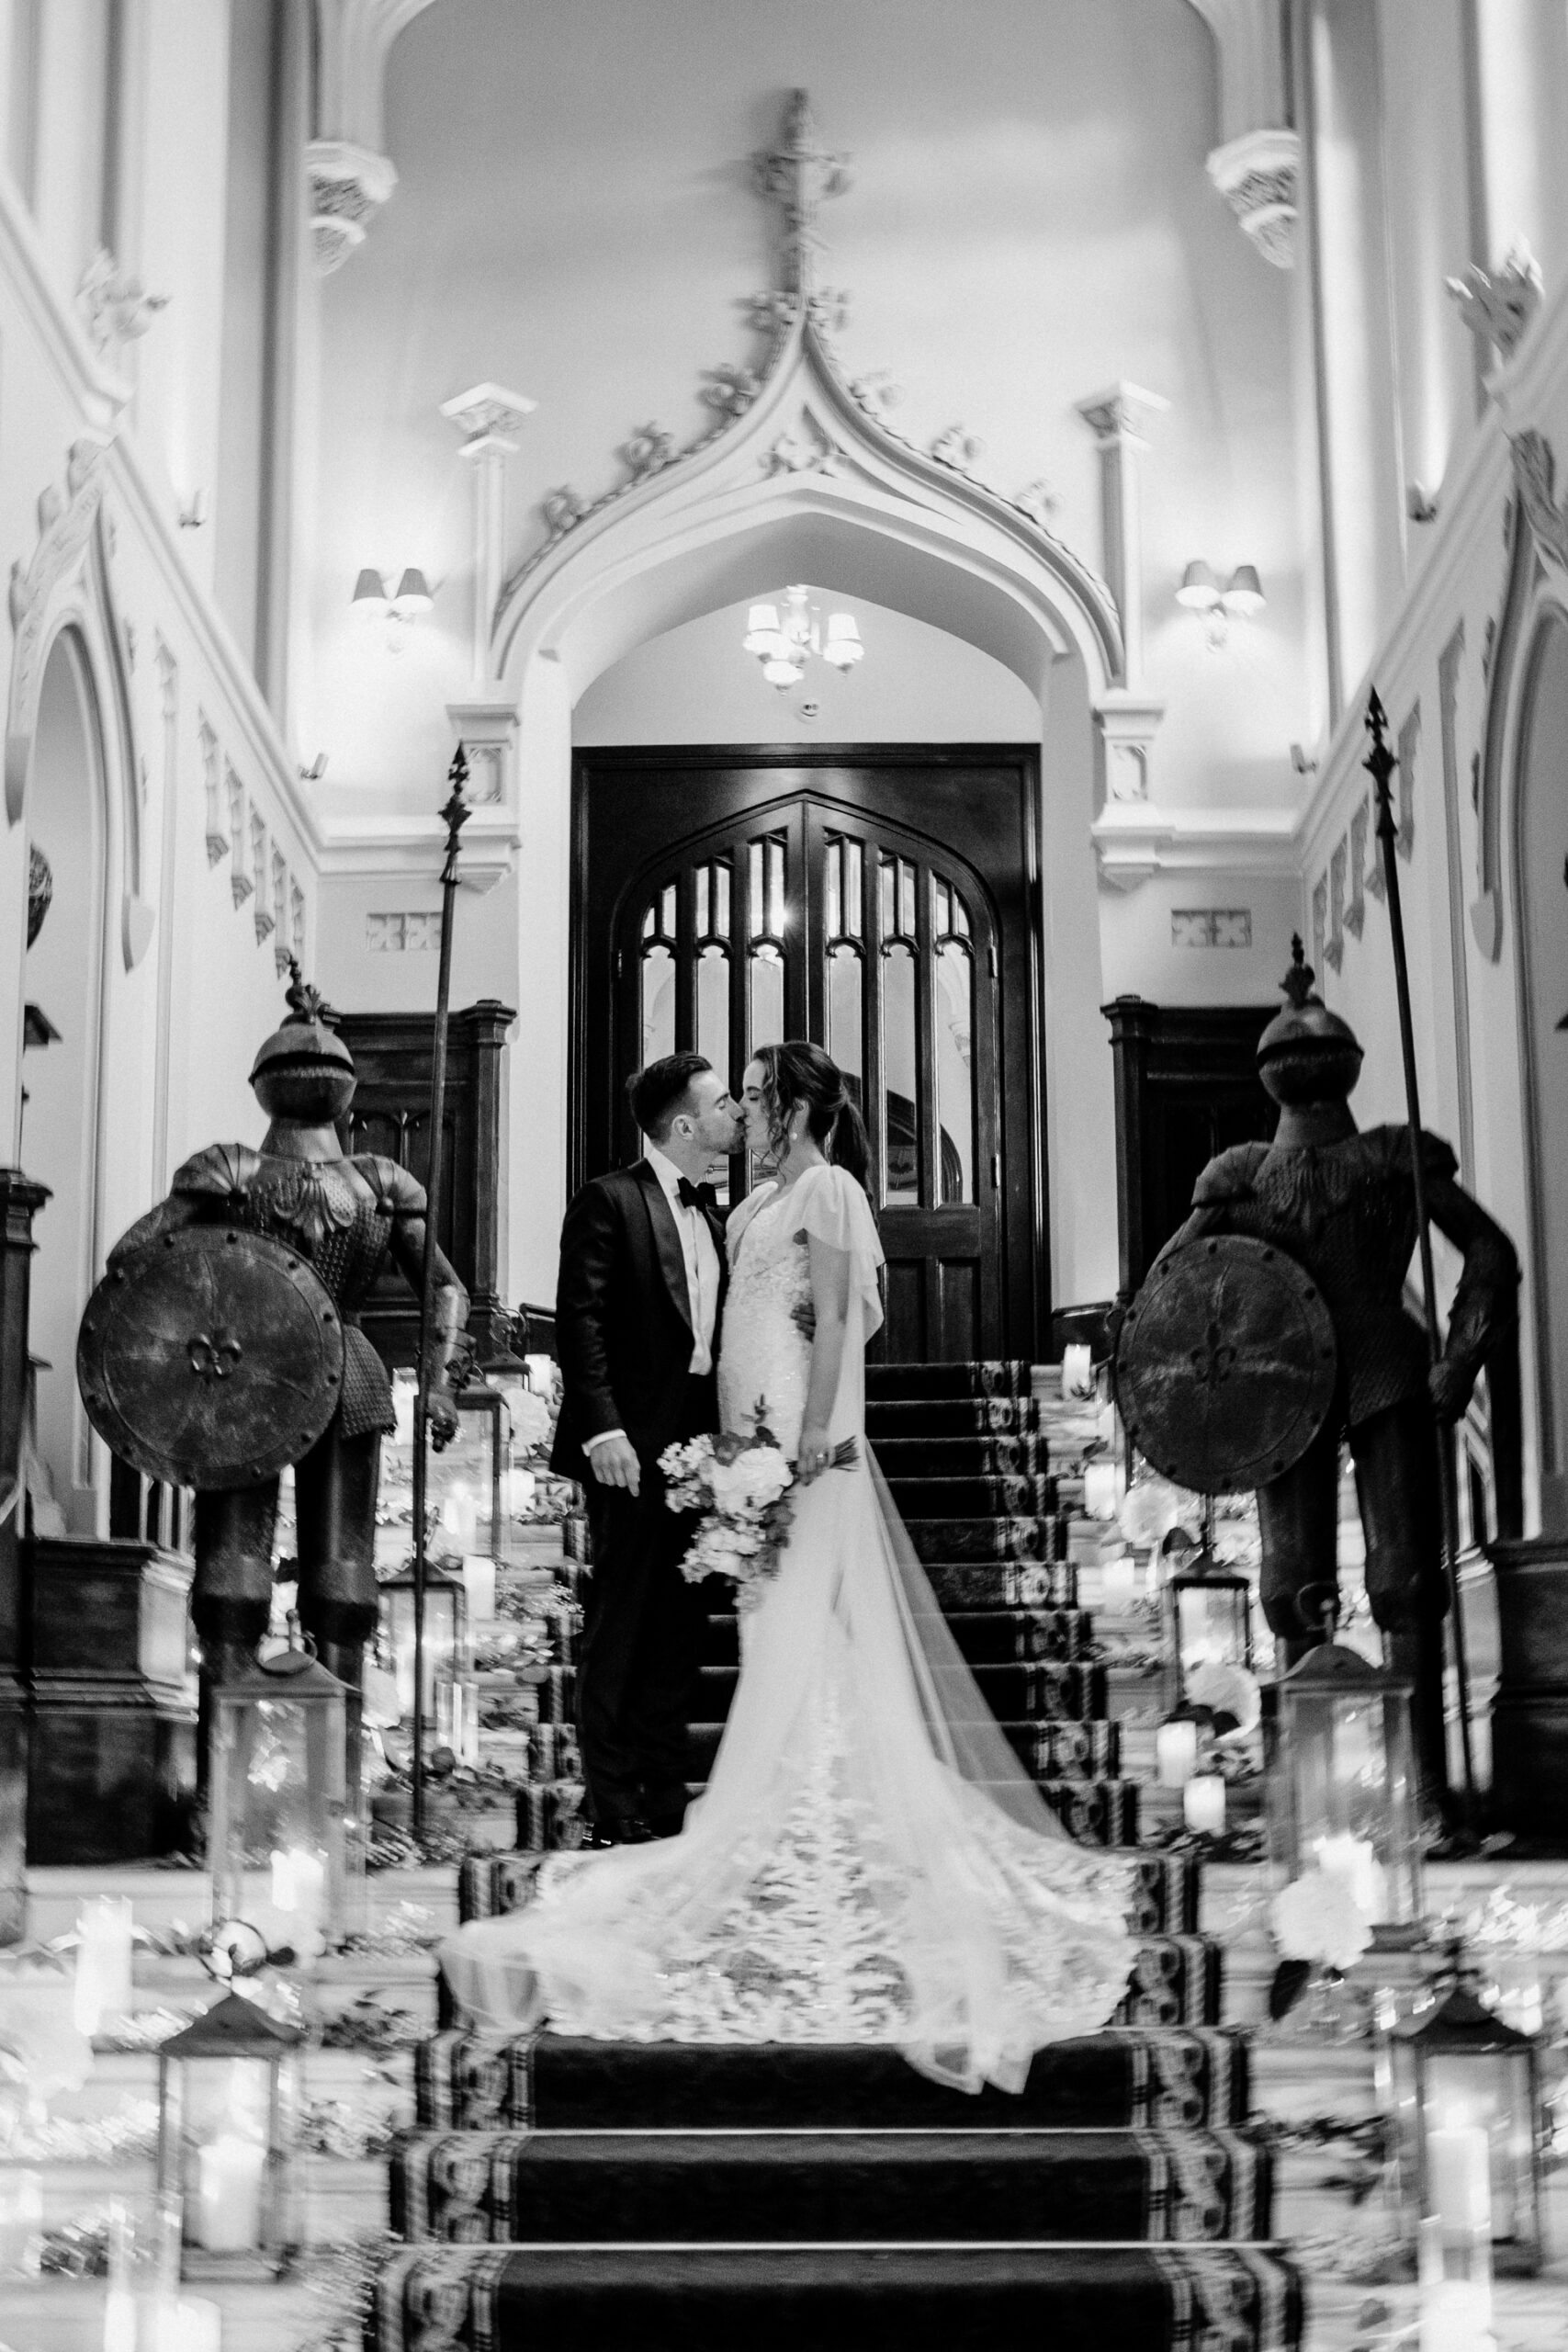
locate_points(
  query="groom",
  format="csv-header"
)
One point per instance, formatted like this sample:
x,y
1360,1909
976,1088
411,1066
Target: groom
x,y
642,1282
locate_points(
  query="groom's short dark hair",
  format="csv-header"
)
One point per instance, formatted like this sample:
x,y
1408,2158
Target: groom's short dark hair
x,y
656,1092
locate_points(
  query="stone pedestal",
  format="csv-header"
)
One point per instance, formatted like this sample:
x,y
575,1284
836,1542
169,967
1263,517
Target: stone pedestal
x,y
1529,1713
114,1712
20,1198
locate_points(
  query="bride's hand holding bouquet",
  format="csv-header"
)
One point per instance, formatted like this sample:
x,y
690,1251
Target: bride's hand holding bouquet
x,y
740,1485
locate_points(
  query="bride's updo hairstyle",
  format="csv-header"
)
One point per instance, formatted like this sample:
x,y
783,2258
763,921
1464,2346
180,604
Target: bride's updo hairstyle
x,y
796,1072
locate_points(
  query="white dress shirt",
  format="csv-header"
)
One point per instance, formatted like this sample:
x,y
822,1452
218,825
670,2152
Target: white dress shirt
x,y
701,1257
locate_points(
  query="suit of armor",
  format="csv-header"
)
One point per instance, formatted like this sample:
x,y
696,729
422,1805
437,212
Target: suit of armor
x,y
1342,1204
347,1216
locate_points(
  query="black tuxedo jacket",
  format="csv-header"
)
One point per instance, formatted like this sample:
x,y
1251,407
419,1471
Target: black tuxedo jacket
x,y
623,1317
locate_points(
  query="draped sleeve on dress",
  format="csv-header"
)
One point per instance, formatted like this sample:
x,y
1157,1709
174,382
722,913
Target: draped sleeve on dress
x,y
831,1206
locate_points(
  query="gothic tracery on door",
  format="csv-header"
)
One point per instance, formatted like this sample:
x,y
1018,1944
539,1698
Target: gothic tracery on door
x,y
805,915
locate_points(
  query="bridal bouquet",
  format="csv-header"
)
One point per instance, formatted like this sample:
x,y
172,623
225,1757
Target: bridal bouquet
x,y
740,1485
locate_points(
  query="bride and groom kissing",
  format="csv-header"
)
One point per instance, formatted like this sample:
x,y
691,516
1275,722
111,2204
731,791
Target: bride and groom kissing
x,y
868,1860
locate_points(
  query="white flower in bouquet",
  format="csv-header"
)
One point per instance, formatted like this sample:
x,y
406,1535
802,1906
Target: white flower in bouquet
x,y
752,1481
530,1418
1318,1917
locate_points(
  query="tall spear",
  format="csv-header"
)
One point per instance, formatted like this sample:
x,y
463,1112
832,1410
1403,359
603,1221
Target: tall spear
x,y
454,816
1380,765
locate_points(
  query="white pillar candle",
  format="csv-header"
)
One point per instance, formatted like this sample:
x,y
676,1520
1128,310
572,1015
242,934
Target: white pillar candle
x,y
1101,1481
1456,2316
1077,1370
180,2323
1203,1805
228,2193
102,1961
299,1888
522,1485
1459,2180
1119,1581
478,1575
1352,1861
22,2223
1175,1751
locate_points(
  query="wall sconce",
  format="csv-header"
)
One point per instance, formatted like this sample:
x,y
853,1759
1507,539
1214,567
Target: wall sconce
x,y
1241,596
371,601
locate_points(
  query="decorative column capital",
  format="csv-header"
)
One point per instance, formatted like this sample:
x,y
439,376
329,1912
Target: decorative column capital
x,y
487,730
1125,725
487,415
349,186
1258,175
1114,415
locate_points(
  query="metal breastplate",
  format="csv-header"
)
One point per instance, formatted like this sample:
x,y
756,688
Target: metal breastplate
x,y
324,1209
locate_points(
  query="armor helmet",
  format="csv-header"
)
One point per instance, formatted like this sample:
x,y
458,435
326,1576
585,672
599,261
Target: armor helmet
x,y
304,1071
1307,1053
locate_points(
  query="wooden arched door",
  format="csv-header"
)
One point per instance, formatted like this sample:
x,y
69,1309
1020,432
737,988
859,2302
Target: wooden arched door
x,y
804,914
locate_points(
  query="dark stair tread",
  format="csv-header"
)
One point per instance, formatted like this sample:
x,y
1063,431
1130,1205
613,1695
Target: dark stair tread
x,y
997,1376
695,2297
1016,1495
983,2183
995,1454
950,1416
1109,2080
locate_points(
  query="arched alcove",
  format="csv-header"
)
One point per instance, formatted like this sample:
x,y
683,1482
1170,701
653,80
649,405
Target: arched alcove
x,y
67,817
1540,863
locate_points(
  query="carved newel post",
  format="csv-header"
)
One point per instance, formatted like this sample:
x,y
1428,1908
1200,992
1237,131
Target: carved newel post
x,y
20,1198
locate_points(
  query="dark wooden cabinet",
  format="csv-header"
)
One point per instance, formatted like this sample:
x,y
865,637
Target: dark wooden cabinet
x,y
391,1114
1186,1086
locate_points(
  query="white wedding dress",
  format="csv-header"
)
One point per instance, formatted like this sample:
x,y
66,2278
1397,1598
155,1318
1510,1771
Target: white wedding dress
x,y
869,1861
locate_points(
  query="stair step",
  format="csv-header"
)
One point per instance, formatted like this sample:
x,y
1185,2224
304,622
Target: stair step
x,y
1028,1538
961,1584
950,1416
963,1458
815,2186
1007,1377
1038,1691
1107,2081
839,2298
1013,1636
1024,1494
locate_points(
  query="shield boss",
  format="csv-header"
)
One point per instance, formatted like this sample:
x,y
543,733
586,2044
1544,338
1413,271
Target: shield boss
x,y
1226,1363
211,1358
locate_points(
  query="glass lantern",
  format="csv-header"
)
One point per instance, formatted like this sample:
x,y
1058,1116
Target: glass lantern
x,y
228,2110
1208,1621
1463,2092
1342,1791
467,1478
278,1788
445,1635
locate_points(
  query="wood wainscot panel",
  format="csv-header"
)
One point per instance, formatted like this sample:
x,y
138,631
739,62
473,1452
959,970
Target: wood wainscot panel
x,y
113,1706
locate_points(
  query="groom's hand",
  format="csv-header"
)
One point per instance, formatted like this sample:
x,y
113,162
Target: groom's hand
x,y
615,1464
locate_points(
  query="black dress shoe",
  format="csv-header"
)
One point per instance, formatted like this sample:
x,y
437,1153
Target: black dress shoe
x,y
666,1825
620,1829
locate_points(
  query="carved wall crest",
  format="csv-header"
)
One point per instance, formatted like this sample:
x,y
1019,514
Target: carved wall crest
x,y
115,307
1497,306
65,523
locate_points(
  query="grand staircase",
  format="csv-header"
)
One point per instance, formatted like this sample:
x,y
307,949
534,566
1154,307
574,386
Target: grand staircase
x,y
668,2194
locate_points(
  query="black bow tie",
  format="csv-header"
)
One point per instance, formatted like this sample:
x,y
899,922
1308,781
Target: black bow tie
x,y
696,1196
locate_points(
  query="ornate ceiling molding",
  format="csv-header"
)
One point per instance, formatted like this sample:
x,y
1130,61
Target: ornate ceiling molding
x,y
1257,165
795,427
66,521
348,171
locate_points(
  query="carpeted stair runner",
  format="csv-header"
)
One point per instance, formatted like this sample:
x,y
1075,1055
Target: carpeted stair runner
x,y
669,2194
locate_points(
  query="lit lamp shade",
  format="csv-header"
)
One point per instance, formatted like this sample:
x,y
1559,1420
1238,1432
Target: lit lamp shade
x,y
1200,591
369,599
764,633
228,2113
843,647
1342,1791
1243,591
413,594
1208,1621
1464,2092
445,1635
779,671
278,1784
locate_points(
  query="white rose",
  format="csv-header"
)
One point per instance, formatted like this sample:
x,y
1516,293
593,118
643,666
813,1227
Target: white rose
x,y
1316,1918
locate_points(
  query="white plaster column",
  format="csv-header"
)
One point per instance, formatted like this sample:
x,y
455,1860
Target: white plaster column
x,y
1521,69
537,1102
488,416
1359,439
1126,718
349,173
1255,168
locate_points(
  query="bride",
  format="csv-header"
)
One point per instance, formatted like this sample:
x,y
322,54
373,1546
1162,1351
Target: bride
x,y
869,1861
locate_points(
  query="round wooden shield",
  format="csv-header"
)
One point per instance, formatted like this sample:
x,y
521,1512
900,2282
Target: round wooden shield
x,y
1225,1364
210,1358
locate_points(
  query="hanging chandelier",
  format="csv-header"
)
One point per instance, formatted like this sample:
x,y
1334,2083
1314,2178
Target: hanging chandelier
x,y
785,635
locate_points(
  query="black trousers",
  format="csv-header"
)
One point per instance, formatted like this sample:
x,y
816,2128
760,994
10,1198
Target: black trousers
x,y
1397,1469
641,1649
